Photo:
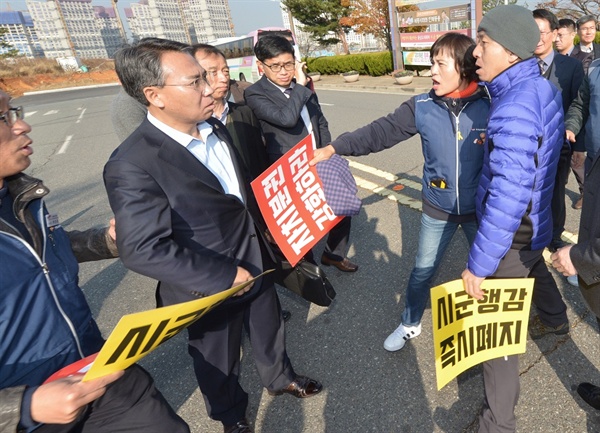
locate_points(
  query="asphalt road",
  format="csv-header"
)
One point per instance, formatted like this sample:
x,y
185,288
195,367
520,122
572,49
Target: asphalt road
x,y
366,388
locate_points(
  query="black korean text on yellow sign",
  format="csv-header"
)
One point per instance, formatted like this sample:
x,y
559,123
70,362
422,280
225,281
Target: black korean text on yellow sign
x,y
467,332
138,334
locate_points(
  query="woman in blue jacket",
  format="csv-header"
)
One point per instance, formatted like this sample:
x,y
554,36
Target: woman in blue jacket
x,y
451,120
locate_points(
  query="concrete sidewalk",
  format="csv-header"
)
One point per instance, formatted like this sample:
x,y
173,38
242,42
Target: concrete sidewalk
x,y
366,83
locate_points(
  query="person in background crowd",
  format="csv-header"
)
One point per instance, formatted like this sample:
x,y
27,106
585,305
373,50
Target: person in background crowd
x,y
242,124
521,151
289,111
45,321
565,36
566,73
185,216
451,120
587,50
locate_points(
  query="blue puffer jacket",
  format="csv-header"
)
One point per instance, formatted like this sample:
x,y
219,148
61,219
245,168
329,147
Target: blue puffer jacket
x,y
524,138
45,321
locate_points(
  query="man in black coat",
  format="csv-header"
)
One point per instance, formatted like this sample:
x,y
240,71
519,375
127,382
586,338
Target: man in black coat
x,y
187,218
289,111
583,259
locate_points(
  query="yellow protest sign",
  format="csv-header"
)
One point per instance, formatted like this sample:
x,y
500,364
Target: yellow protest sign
x,y
138,334
467,332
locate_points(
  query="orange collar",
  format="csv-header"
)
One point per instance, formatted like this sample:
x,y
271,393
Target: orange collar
x,y
457,94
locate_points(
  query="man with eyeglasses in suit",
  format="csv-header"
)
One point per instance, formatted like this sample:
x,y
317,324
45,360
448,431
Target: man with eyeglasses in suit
x,y
288,111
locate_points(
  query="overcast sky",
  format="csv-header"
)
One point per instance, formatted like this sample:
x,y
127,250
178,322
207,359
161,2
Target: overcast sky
x,y
247,15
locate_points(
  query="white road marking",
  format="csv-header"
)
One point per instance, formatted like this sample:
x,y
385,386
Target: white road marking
x,y
63,148
29,113
81,115
50,112
407,201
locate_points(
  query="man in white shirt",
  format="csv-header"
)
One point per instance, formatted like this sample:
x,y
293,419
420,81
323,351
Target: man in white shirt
x,y
187,218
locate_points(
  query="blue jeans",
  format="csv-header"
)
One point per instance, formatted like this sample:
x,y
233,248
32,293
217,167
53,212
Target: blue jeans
x,y
434,237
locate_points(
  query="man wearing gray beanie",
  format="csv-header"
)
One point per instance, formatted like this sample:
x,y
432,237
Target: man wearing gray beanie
x,y
523,141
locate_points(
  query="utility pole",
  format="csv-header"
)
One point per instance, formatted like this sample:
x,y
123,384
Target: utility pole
x,y
395,36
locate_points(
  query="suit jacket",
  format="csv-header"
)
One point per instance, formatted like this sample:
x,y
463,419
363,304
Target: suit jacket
x,y
585,255
566,73
280,118
583,57
244,128
174,221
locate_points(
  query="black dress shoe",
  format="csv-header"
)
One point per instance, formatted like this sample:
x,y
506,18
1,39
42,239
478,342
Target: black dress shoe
x,y
344,265
590,394
241,426
286,315
301,387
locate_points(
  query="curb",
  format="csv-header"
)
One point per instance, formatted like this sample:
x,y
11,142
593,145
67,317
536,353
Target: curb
x,y
371,88
68,89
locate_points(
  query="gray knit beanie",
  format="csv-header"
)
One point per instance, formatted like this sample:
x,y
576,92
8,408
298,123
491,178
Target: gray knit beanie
x,y
513,27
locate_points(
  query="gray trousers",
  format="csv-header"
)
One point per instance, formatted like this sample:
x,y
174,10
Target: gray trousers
x,y
501,375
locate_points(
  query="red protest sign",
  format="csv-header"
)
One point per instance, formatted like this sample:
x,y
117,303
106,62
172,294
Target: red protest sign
x,y
291,199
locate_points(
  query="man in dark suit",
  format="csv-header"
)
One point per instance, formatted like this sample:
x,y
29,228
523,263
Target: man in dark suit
x,y
566,73
240,121
186,217
289,111
583,259
587,50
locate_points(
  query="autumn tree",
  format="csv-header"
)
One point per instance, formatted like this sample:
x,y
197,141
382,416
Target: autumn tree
x,y
491,4
321,18
369,17
573,9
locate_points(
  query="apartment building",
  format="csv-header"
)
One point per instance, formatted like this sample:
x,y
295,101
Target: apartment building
x,y
20,34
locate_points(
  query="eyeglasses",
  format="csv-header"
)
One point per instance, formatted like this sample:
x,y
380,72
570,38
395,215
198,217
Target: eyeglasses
x,y
199,83
287,66
544,34
13,115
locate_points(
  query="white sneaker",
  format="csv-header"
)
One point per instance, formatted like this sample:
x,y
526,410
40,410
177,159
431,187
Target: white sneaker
x,y
573,280
397,339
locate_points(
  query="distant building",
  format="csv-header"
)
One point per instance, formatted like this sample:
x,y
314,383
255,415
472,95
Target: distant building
x,y
74,28
20,34
208,19
188,21
109,29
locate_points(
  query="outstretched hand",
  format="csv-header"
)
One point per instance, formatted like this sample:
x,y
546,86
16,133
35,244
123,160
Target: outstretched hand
x,y
322,154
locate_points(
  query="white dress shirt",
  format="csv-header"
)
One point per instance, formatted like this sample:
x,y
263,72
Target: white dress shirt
x,y
209,150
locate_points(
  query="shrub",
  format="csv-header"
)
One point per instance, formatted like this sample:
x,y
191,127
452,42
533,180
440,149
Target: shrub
x,y
374,64
345,74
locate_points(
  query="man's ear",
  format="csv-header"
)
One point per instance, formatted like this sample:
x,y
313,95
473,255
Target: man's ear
x,y
513,58
153,96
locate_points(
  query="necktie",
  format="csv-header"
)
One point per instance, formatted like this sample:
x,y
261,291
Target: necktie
x,y
542,66
288,92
